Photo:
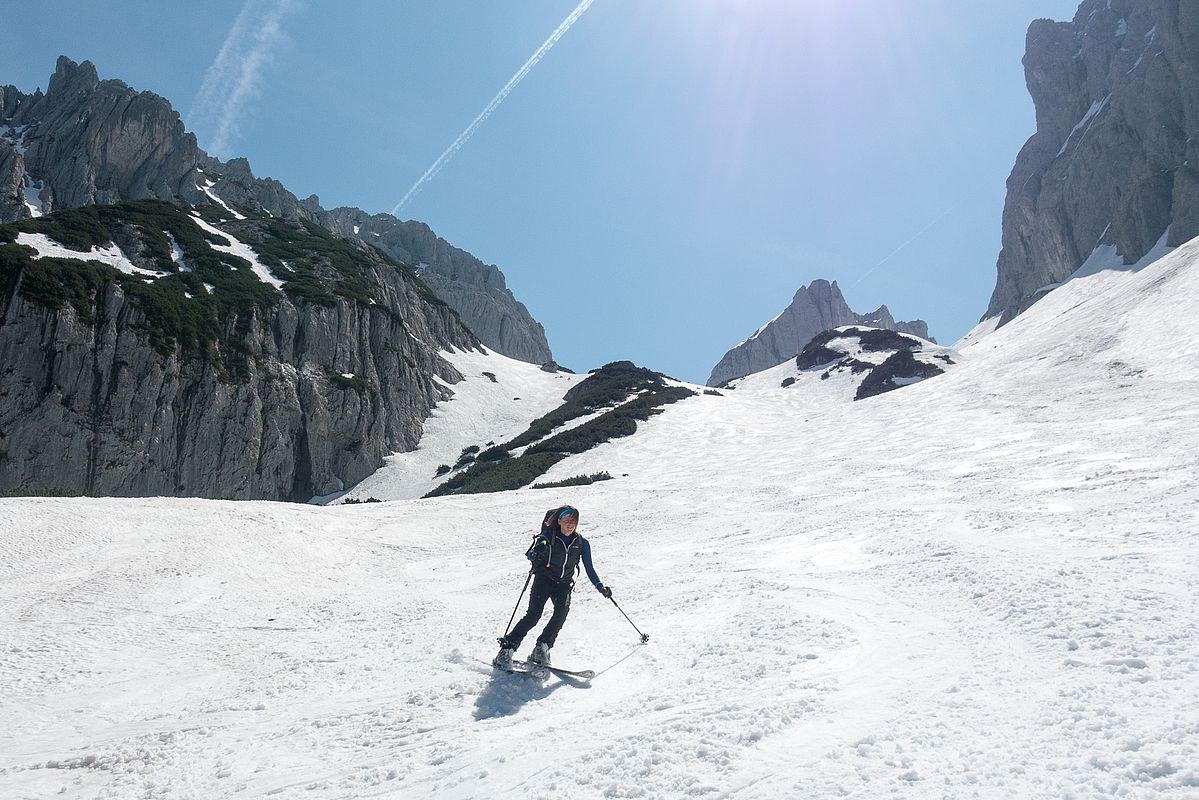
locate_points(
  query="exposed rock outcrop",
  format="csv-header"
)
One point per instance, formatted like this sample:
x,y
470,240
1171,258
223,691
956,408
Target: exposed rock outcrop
x,y
87,141
888,359
820,306
12,182
1115,158
477,291
853,363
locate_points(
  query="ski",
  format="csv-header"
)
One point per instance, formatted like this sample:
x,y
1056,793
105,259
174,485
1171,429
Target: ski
x,y
511,670
537,670
581,674
532,673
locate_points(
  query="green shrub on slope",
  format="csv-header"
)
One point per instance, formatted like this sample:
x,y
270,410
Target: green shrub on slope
x,y
611,385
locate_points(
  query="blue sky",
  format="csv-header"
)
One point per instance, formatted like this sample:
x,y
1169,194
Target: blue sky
x,y
661,183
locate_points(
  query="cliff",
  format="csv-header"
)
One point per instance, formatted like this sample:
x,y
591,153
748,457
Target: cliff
x,y
1115,158
152,349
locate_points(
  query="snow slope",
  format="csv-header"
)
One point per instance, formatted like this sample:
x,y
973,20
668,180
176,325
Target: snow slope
x,y
497,400
983,585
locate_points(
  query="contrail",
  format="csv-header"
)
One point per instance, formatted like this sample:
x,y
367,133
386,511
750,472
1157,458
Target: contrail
x,y
234,76
890,255
494,104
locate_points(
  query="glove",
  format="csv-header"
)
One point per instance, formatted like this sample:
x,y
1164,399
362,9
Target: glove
x,y
606,591
537,551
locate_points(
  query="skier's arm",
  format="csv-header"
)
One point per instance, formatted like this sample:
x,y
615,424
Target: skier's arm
x,y
587,565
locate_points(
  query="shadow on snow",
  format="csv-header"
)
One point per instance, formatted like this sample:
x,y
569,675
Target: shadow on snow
x,y
506,693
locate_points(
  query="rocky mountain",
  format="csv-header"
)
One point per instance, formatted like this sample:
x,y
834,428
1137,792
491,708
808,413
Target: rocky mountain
x,y
817,307
477,291
150,348
1114,162
88,141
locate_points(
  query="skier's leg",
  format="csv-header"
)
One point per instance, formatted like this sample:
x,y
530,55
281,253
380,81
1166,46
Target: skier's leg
x,y
561,598
539,594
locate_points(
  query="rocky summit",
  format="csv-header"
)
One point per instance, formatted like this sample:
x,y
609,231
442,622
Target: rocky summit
x,y
1114,162
91,141
817,307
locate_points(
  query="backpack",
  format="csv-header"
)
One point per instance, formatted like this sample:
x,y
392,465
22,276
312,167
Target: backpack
x,y
542,552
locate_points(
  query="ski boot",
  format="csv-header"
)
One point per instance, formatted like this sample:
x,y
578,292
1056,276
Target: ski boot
x,y
503,659
540,655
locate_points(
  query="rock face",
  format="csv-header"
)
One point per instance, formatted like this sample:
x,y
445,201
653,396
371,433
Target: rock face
x,y
94,142
183,373
87,141
477,291
1115,158
817,307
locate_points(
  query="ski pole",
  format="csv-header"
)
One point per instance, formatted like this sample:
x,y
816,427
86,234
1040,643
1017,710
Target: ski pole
x,y
528,578
644,636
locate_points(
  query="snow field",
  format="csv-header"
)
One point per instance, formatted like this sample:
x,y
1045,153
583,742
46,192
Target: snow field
x,y
110,255
981,586
481,410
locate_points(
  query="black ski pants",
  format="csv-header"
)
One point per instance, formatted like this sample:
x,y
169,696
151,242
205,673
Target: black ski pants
x,y
544,588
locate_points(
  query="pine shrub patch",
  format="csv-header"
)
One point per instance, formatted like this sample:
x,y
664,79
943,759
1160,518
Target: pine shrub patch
x,y
605,387
356,383
816,353
498,476
43,492
577,480
879,339
901,364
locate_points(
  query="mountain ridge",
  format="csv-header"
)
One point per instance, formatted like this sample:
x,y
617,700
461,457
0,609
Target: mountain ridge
x,y
87,140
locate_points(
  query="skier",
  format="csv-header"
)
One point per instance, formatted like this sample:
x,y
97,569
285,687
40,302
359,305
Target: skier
x,y
555,555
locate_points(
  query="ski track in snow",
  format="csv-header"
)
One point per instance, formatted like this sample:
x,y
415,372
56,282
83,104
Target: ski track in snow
x,y
983,585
